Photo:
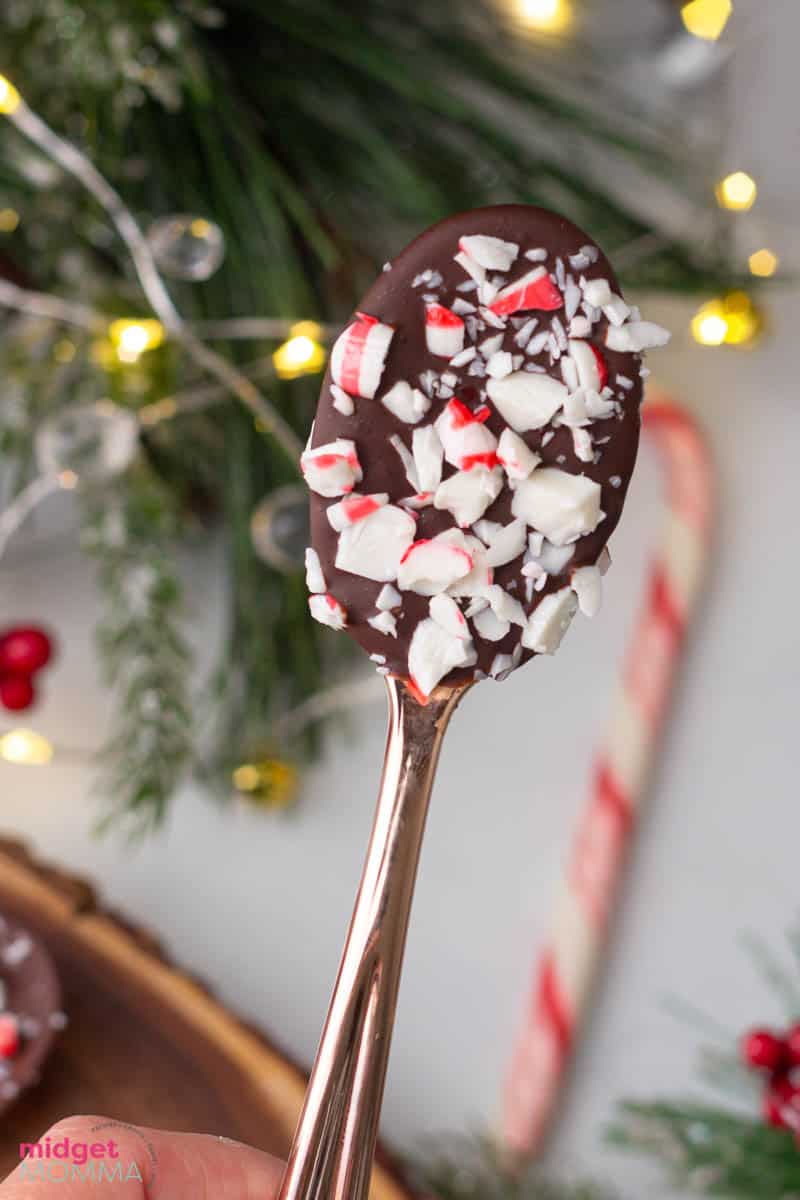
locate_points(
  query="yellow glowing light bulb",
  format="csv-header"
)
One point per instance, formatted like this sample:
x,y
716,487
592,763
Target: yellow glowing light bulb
x,y
25,748
10,98
301,353
9,220
707,18
763,263
200,228
737,191
133,337
545,16
710,324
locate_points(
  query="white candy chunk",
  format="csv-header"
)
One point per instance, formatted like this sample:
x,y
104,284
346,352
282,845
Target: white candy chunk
x,y
587,584
463,436
574,413
468,494
491,345
466,356
433,653
428,453
328,611
604,561
431,566
515,456
407,459
597,407
374,547
569,373
502,665
553,559
384,623
507,545
444,331
504,605
535,544
490,252
617,311
315,580
486,530
526,401
332,469
637,336
388,598
500,365
580,327
354,508
477,604
583,445
597,292
587,363
561,506
471,266
489,626
445,612
548,623
406,403
342,402
359,355
479,578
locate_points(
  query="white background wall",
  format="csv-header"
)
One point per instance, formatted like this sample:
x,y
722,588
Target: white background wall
x,y
258,904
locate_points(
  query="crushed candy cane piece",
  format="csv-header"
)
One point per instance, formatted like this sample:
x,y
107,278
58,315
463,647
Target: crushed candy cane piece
x,y
408,404
354,508
384,622
597,292
433,653
9,1036
332,469
445,612
428,452
359,356
489,626
587,584
444,331
374,548
468,493
636,336
526,401
431,566
500,365
328,611
315,580
563,507
533,290
388,598
515,456
549,622
489,252
342,402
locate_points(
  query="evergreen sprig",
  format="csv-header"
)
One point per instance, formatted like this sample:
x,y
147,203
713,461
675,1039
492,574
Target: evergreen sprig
x,y
472,1169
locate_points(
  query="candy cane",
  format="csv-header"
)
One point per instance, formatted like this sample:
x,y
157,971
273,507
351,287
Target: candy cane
x,y
573,955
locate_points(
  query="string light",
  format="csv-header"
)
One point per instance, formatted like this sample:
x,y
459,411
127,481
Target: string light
x,y
270,783
10,98
132,338
25,748
737,192
544,16
9,220
302,353
763,263
731,320
707,18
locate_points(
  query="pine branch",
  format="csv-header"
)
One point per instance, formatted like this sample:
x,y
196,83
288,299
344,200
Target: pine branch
x,y
471,1169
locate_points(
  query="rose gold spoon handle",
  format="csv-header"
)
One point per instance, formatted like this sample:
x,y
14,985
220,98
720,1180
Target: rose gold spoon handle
x,y
331,1158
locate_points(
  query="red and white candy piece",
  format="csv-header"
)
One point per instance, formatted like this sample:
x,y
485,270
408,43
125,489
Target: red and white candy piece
x,y
444,331
534,290
315,580
433,653
9,1036
359,355
332,469
374,546
590,365
525,400
489,252
468,494
517,459
431,566
548,623
480,577
445,612
563,507
466,440
328,611
406,403
354,508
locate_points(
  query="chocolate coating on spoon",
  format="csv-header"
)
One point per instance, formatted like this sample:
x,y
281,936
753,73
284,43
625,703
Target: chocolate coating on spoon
x,y
561,341
32,1001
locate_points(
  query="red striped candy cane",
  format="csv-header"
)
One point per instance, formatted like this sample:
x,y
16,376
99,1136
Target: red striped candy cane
x,y
571,959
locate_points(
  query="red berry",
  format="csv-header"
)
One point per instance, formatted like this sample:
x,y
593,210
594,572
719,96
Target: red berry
x,y
24,651
793,1044
781,1104
762,1050
9,1036
16,692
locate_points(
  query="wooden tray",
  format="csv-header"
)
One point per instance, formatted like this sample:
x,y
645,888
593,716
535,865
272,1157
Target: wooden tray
x,y
146,1043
